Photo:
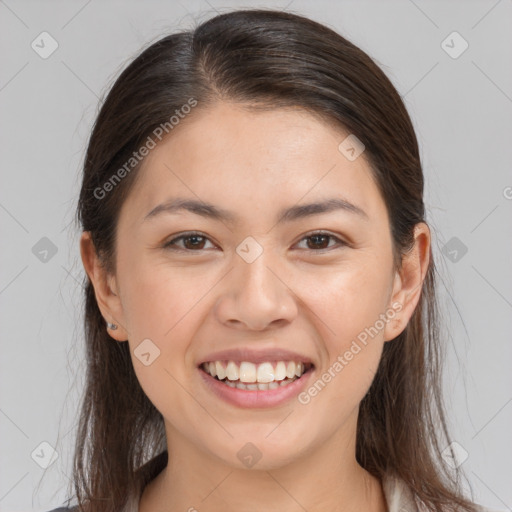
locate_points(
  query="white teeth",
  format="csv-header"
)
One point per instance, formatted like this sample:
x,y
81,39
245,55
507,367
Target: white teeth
x,y
266,373
248,373
280,373
232,372
221,372
261,386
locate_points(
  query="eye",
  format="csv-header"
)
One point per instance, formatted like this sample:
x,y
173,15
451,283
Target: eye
x,y
195,241
192,242
320,241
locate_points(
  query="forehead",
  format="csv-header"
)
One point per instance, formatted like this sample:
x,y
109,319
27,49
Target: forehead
x,y
254,162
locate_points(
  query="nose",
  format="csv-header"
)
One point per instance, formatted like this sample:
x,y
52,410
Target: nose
x,y
256,296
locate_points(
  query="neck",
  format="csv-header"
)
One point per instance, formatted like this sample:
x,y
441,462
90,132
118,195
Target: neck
x,y
328,478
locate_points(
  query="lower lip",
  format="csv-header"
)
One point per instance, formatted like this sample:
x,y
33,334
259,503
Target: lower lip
x,y
256,398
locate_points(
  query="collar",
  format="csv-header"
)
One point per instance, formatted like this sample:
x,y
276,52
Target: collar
x,y
398,495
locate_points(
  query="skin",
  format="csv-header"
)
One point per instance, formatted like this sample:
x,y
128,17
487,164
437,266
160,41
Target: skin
x,y
312,297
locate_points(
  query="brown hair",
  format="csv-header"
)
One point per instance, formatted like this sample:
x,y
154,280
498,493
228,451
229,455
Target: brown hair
x,y
264,59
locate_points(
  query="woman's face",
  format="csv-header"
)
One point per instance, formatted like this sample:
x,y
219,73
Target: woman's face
x,y
258,287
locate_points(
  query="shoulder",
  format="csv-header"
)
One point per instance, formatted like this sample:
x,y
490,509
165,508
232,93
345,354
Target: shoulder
x,y
481,508
144,474
399,497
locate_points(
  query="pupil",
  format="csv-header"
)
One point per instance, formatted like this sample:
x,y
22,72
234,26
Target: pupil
x,y
194,237
316,237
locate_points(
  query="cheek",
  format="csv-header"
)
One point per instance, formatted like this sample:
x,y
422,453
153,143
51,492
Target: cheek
x,y
348,300
158,297
334,396
158,304
352,307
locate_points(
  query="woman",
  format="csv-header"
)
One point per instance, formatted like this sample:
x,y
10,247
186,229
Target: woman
x,y
261,323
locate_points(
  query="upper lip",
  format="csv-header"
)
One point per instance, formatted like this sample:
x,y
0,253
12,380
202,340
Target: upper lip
x,y
256,356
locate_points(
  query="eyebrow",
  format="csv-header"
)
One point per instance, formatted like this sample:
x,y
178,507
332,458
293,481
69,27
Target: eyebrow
x,y
290,214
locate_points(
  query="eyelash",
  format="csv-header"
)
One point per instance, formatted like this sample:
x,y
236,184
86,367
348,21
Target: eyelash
x,y
168,245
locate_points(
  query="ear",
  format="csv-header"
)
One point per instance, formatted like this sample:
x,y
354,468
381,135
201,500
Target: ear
x,y
408,282
105,288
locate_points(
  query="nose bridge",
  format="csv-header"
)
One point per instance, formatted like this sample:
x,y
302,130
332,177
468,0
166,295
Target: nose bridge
x,y
252,272
255,296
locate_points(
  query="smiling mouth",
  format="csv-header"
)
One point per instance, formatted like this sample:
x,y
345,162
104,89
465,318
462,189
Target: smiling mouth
x,y
251,377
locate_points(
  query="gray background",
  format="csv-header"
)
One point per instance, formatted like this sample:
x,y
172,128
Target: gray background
x,y
461,108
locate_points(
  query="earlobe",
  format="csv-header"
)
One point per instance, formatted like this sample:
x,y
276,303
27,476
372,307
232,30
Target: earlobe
x,y
408,282
104,289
